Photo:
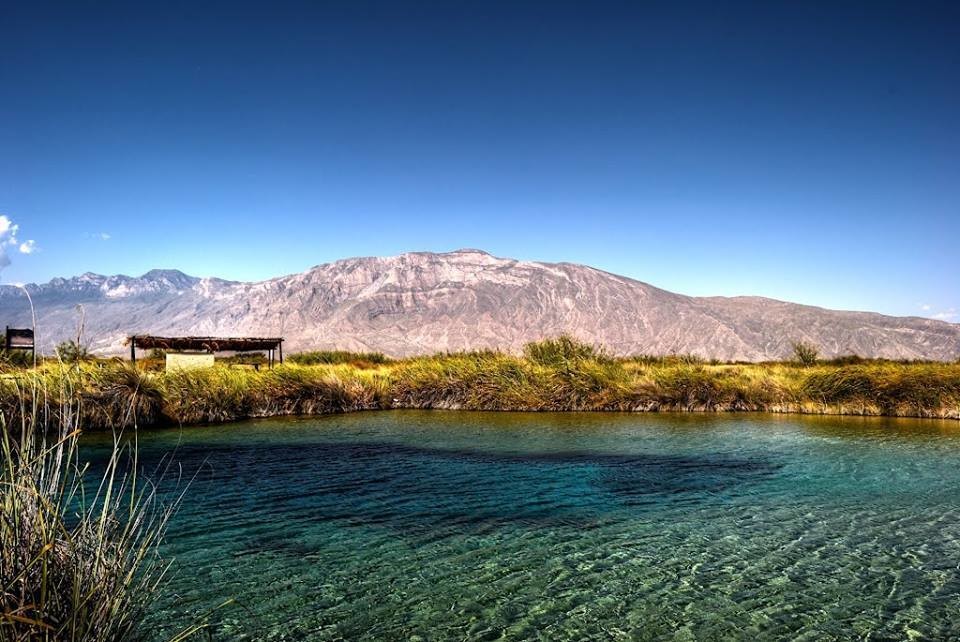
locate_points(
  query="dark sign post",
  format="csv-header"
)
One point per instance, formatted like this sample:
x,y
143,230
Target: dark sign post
x,y
20,339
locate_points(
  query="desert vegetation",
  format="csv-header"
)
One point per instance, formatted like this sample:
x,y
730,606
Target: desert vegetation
x,y
332,357
79,554
553,375
806,353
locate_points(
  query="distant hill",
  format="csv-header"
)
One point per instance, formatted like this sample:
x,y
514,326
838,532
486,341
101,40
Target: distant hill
x,y
423,302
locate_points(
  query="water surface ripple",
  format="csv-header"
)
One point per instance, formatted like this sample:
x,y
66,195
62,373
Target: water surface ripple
x,y
485,526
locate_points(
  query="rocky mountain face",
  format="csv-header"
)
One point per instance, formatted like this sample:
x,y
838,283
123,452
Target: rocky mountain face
x,y
424,302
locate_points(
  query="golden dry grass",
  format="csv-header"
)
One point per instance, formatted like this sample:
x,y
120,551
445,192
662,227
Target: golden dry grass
x,y
551,376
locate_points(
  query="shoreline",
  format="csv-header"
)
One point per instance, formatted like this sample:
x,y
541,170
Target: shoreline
x,y
113,395
947,415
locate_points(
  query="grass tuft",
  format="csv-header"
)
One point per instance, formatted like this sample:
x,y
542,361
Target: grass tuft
x,y
78,554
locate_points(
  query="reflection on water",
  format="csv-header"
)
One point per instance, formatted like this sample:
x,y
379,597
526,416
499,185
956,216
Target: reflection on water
x,y
450,525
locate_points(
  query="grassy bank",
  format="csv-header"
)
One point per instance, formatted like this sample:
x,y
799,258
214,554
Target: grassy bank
x,y
549,377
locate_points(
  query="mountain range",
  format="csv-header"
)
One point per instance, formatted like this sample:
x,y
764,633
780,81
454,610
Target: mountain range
x,y
423,302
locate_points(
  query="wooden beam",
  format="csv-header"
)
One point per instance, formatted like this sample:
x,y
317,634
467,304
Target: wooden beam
x,y
206,344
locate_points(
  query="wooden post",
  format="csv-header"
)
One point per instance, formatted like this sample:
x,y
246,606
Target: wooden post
x,y
133,351
280,347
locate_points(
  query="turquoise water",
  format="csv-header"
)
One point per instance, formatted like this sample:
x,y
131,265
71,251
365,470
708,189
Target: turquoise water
x,y
484,526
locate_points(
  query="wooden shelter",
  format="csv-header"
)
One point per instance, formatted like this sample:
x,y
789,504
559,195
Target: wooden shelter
x,y
273,346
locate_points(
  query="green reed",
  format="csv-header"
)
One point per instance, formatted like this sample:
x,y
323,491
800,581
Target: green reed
x,y
79,556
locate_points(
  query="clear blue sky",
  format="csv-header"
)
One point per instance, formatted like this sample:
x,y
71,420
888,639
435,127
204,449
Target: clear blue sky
x,y
804,151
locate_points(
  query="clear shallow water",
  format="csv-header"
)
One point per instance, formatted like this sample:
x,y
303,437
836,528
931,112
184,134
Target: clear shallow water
x,y
482,526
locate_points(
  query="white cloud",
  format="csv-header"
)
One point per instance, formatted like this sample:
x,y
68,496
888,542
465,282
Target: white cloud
x,y
104,236
8,239
946,315
101,236
925,307
7,227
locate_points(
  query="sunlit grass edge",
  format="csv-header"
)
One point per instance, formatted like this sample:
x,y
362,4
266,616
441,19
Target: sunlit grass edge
x,y
553,375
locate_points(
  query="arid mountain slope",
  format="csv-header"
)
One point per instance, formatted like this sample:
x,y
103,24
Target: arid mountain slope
x,y
423,302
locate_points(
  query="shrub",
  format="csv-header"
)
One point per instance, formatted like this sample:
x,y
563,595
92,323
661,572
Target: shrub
x,y
71,352
805,353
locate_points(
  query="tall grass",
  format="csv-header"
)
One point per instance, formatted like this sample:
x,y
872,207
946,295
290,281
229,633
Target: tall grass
x,y
225,394
562,351
888,388
78,553
101,395
558,374
334,357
